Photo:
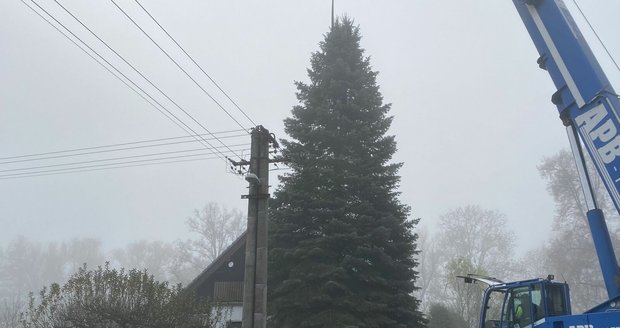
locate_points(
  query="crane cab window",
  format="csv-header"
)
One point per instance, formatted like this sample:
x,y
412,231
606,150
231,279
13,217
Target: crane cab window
x,y
538,308
493,309
556,302
517,307
523,307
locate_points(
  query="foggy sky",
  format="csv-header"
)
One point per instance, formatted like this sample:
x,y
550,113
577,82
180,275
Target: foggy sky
x,y
472,110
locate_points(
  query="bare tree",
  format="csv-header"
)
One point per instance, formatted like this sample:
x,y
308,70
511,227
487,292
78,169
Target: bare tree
x,y
156,257
479,235
535,263
79,251
10,310
215,228
23,268
563,184
430,259
464,299
469,239
26,266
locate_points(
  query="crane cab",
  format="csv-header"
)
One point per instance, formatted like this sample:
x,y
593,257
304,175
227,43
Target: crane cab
x,y
522,304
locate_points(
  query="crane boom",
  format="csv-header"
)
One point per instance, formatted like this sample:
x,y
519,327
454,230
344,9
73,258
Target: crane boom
x,y
588,106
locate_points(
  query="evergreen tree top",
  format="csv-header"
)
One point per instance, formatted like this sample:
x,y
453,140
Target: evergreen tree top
x,y
342,99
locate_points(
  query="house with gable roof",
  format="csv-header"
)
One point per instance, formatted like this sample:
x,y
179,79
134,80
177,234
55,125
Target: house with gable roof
x,y
222,282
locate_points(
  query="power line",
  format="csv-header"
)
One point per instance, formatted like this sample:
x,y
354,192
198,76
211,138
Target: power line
x,y
185,128
195,63
136,70
101,149
177,64
52,172
95,59
80,165
101,64
596,34
109,159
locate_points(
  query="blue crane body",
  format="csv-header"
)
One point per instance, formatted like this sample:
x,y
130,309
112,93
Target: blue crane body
x,y
589,108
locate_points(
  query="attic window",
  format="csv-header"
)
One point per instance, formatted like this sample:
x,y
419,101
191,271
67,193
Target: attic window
x,y
231,264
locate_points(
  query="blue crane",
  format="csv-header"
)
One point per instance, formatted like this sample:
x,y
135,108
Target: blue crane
x,y
589,109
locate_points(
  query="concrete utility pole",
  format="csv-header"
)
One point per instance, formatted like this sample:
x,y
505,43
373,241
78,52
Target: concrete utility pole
x,y
255,283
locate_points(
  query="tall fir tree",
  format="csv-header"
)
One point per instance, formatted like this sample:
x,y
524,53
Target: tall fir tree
x,y
342,245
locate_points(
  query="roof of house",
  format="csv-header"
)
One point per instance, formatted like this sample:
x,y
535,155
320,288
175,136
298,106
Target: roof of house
x,y
227,268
